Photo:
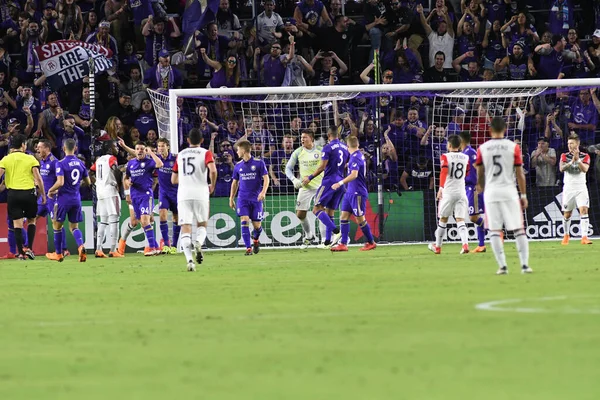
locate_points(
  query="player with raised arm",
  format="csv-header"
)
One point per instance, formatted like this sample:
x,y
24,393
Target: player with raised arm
x,y
249,175
334,158
107,177
355,199
70,173
499,162
452,195
575,165
167,197
139,178
190,172
307,157
476,205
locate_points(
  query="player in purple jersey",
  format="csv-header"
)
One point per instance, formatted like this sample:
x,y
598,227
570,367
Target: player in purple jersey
x,y
252,178
355,200
70,173
334,158
48,172
139,178
476,206
167,197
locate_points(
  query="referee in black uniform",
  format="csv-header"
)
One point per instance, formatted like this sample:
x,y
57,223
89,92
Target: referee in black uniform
x,y
22,176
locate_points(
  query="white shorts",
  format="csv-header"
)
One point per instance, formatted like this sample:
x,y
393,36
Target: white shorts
x,y
507,214
456,204
108,206
573,199
192,210
304,198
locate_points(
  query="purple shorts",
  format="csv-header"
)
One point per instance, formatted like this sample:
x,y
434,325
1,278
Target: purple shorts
x,y
476,206
250,208
142,205
329,198
70,211
167,201
354,204
46,209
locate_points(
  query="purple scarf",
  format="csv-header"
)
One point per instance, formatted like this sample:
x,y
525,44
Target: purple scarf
x,y
32,62
168,77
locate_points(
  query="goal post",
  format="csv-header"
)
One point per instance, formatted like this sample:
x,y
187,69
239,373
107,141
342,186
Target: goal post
x,y
402,204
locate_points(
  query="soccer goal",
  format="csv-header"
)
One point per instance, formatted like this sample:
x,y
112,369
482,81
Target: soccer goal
x,y
402,130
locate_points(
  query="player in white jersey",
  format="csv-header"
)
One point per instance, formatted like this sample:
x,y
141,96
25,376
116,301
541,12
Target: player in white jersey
x,y
499,162
452,195
107,176
191,173
575,193
308,158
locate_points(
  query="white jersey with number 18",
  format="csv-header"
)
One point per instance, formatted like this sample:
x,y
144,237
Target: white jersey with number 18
x,y
192,168
499,158
455,167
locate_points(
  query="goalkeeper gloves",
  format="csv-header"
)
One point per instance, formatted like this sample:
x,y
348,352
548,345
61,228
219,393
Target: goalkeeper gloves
x,y
297,183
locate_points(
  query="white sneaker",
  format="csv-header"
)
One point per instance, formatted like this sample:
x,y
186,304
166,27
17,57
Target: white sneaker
x,y
335,238
502,271
191,267
306,243
526,270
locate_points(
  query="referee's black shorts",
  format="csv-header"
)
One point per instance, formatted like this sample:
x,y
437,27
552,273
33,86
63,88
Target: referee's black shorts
x,y
21,204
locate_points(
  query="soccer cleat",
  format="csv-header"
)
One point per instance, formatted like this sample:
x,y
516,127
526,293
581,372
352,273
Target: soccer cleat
x,y
198,254
191,267
479,249
565,241
165,249
335,238
339,247
10,256
66,253
172,250
21,257
585,240
465,249
502,271
526,270
161,245
55,257
100,254
368,246
322,246
248,251
82,254
115,254
122,245
28,253
149,252
306,243
255,246
434,248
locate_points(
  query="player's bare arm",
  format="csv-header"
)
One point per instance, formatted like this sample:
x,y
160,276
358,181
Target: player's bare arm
x,y
39,183
234,188
353,175
126,188
212,172
158,161
306,180
583,167
60,181
263,193
520,175
128,149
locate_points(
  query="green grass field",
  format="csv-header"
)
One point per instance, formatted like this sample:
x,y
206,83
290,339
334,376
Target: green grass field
x,y
395,323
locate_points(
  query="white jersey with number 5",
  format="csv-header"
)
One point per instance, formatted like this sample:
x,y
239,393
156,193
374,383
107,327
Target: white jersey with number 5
x,y
106,183
499,158
192,168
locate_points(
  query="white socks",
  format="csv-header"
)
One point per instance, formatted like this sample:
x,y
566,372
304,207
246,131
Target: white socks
x,y
522,247
127,231
322,230
462,231
186,243
585,225
567,226
498,248
307,228
102,226
439,233
114,232
201,236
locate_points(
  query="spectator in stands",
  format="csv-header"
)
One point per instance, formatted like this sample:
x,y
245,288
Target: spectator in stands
x,y
277,164
227,21
80,108
543,159
376,23
45,117
405,66
231,132
561,16
104,38
272,66
215,45
157,38
584,115
69,130
340,38
400,19
435,145
225,165
581,67
495,10
493,45
295,70
335,10
115,13
520,29
325,73
122,109
418,176
440,40
389,162
268,23
415,130
226,73
135,86
468,39
456,125
553,132
516,64
145,119
70,20
31,37
162,75
552,58
437,73
26,100
260,136
310,15
415,34
471,74
387,77
90,24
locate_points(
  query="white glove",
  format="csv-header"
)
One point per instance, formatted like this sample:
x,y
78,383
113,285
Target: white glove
x,y
297,183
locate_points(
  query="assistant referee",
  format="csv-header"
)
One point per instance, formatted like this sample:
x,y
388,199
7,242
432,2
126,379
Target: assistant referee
x,y
22,176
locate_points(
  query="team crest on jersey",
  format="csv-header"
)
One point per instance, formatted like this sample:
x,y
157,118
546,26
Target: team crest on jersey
x,y
171,163
317,156
143,165
253,168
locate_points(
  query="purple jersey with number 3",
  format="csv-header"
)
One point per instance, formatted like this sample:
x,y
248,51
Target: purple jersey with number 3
x,y
336,154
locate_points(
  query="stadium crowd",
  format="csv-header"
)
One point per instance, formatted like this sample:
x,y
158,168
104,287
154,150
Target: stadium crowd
x,y
305,43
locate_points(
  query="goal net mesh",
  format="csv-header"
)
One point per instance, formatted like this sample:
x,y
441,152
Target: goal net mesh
x,y
402,136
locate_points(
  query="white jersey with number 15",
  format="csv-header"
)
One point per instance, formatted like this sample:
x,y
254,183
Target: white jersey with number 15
x,y
192,168
499,158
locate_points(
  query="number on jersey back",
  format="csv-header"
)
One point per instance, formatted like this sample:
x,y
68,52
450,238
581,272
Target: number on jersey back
x,y
455,167
499,158
192,168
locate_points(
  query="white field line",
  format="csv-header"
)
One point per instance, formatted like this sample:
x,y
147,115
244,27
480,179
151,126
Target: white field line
x,y
510,305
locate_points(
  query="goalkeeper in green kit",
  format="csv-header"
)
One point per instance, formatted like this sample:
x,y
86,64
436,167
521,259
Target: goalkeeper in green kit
x,y
308,159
